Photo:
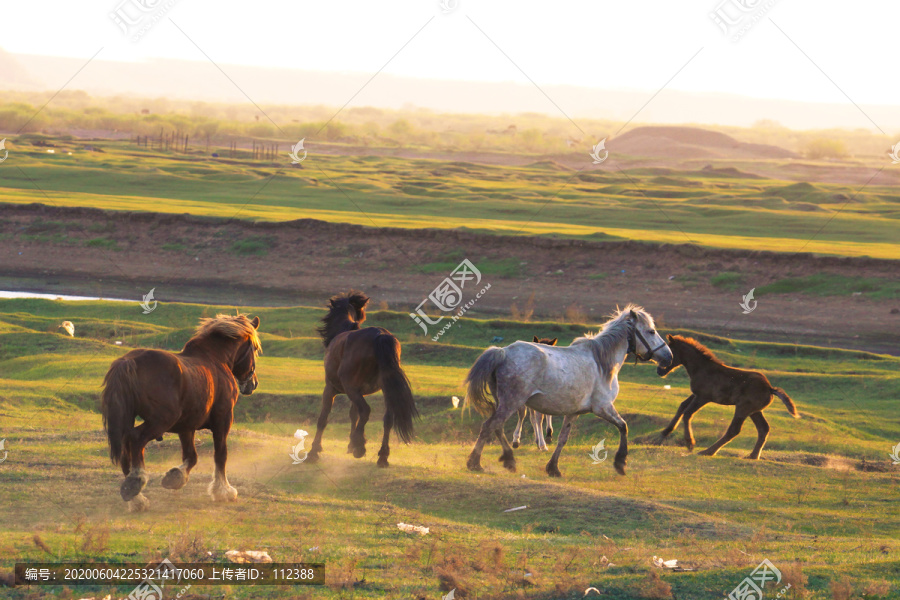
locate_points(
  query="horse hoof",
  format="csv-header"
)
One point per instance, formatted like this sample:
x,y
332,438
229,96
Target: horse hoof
x,y
706,453
312,458
359,452
509,463
515,444
620,468
553,470
174,479
474,465
383,462
221,493
132,486
138,504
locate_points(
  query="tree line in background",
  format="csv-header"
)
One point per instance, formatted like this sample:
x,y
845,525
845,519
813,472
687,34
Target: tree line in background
x,y
77,113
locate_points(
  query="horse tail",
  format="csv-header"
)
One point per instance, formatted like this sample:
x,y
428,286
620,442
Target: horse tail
x,y
398,396
787,401
482,380
117,404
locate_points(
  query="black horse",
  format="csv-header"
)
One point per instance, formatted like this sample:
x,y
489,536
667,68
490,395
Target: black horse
x,y
359,362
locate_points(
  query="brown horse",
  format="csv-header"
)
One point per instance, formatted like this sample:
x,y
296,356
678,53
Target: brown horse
x,y
196,388
537,419
712,381
359,362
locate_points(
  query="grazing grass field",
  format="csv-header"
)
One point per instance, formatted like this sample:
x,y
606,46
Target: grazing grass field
x,y
723,208
821,505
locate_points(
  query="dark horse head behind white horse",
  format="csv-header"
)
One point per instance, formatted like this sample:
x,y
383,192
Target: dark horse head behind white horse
x,y
570,381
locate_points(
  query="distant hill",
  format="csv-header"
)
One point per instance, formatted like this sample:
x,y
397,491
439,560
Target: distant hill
x,y
689,142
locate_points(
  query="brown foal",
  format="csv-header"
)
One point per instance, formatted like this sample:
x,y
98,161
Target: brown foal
x,y
712,381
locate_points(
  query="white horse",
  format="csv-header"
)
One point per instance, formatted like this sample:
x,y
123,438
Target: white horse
x,y
537,423
569,381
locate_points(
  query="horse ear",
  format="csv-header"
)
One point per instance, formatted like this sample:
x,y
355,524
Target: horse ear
x,y
535,340
553,342
255,322
669,337
633,316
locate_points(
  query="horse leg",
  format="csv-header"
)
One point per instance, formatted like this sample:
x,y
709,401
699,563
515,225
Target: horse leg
x,y
677,418
609,413
517,432
358,427
735,428
495,421
549,428
177,477
137,477
762,430
385,450
219,488
327,402
552,467
537,423
507,458
354,417
689,412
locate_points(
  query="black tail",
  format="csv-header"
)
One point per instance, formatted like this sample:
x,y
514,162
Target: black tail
x,y
117,404
787,401
398,396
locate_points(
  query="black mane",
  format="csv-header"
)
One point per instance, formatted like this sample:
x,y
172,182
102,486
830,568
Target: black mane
x,y
345,313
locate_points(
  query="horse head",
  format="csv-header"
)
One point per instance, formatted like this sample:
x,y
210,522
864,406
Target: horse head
x,y
644,341
244,368
661,370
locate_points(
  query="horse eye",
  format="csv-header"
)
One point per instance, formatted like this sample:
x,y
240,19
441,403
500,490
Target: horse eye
x,y
652,332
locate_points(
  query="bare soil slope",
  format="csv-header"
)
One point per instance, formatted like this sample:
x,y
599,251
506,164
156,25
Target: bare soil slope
x,y
69,250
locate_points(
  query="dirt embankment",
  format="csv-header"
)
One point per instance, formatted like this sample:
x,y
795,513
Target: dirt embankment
x,y
189,258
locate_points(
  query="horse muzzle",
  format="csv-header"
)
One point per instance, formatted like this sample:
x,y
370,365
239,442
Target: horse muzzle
x,y
248,386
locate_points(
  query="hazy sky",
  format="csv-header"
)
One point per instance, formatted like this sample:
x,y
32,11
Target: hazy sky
x,y
633,45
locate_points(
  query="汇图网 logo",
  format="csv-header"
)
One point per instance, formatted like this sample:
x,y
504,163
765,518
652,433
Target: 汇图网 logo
x,y
296,149
448,295
595,152
894,153
146,302
746,302
596,450
300,447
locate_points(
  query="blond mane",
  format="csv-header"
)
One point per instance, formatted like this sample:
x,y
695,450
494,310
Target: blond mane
x,y
236,327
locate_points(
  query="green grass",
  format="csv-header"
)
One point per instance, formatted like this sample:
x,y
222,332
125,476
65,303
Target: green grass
x,y
717,210
728,280
827,284
252,246
801,506
102,243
